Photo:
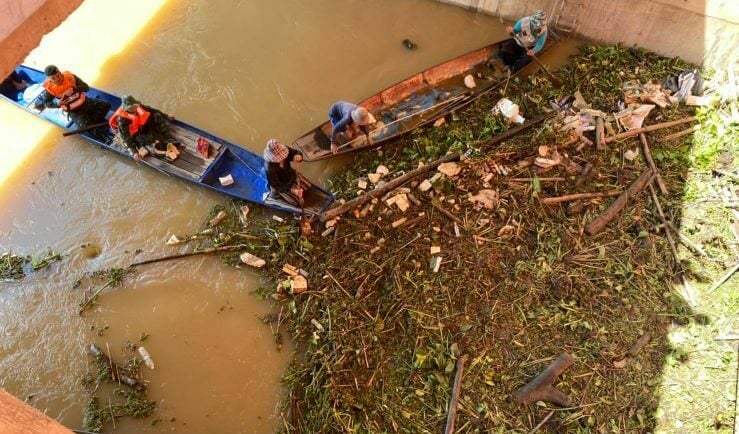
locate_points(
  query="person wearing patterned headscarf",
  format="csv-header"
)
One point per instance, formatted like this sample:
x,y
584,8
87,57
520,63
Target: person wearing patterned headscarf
x,y
284,181
529,36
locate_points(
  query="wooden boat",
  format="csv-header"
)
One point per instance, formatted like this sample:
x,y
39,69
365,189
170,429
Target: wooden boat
x,y
417,101
244,167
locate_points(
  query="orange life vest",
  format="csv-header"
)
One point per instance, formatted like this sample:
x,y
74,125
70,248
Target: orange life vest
x,y
138,119
69,99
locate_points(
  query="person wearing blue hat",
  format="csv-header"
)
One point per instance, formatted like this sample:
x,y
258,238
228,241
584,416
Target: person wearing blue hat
x,y
529,36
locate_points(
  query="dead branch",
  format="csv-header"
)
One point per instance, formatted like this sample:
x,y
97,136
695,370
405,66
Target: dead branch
x,y
578,196
446,213
726,277
541,388
662,217
519,129
115,371
679,134
195,253
654,127
452,415
584,175
648,157
602,220
378,192
554,179
639,345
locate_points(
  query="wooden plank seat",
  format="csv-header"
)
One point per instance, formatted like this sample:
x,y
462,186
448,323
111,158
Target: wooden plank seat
x,y
189,163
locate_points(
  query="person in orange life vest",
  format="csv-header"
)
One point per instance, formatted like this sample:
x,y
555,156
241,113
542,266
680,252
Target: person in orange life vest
x,y
66,91
140,126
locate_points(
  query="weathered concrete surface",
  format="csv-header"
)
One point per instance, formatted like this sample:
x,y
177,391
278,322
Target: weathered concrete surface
x,y
700,31
23,23
18,417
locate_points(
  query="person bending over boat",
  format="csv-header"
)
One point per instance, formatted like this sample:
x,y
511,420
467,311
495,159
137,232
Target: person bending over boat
x,y
529,36
285,182
66,91
140,126
349,119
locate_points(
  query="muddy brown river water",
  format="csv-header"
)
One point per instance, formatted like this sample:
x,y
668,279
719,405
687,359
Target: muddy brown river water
x,y
245,70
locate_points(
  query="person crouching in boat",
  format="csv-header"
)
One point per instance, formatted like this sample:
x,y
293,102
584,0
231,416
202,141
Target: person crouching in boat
x,y
66,91
285,182
529,36
349,119
140,126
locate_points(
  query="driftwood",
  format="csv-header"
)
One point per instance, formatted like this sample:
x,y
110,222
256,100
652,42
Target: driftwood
x,y
195,253
636,131
602,220
578,196
452,415
541,388
378,192
115,371
648,157
516,130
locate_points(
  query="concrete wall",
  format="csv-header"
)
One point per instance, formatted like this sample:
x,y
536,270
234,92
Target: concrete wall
x,y
23,23
700,31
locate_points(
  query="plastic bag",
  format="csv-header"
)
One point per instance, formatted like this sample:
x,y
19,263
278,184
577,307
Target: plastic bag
x,y
509,111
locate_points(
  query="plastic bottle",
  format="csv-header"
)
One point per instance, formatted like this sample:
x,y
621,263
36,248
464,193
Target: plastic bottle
x,y
148,361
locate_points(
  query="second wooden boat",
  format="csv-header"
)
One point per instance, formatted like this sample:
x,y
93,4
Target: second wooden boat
x,y
417,101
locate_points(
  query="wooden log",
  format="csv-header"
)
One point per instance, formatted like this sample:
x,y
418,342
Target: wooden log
x,y
602,220
452,414
379,192
578,196
648,157
542,388
679,134
636,131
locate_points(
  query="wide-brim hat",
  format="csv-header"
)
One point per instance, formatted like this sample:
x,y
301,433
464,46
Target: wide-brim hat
x,y
362,116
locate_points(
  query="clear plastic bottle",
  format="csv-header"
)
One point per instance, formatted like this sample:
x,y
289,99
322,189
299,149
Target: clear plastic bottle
x,y
148,361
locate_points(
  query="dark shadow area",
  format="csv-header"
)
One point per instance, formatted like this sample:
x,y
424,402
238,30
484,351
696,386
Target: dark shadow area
x,y
519,280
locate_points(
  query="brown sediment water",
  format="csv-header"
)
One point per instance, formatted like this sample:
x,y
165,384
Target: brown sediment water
x,y
247,71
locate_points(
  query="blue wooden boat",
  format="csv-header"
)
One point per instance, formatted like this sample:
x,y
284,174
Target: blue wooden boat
x,y
244,167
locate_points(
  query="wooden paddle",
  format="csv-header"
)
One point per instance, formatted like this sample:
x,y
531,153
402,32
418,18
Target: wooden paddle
x,y
555,80
83,130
